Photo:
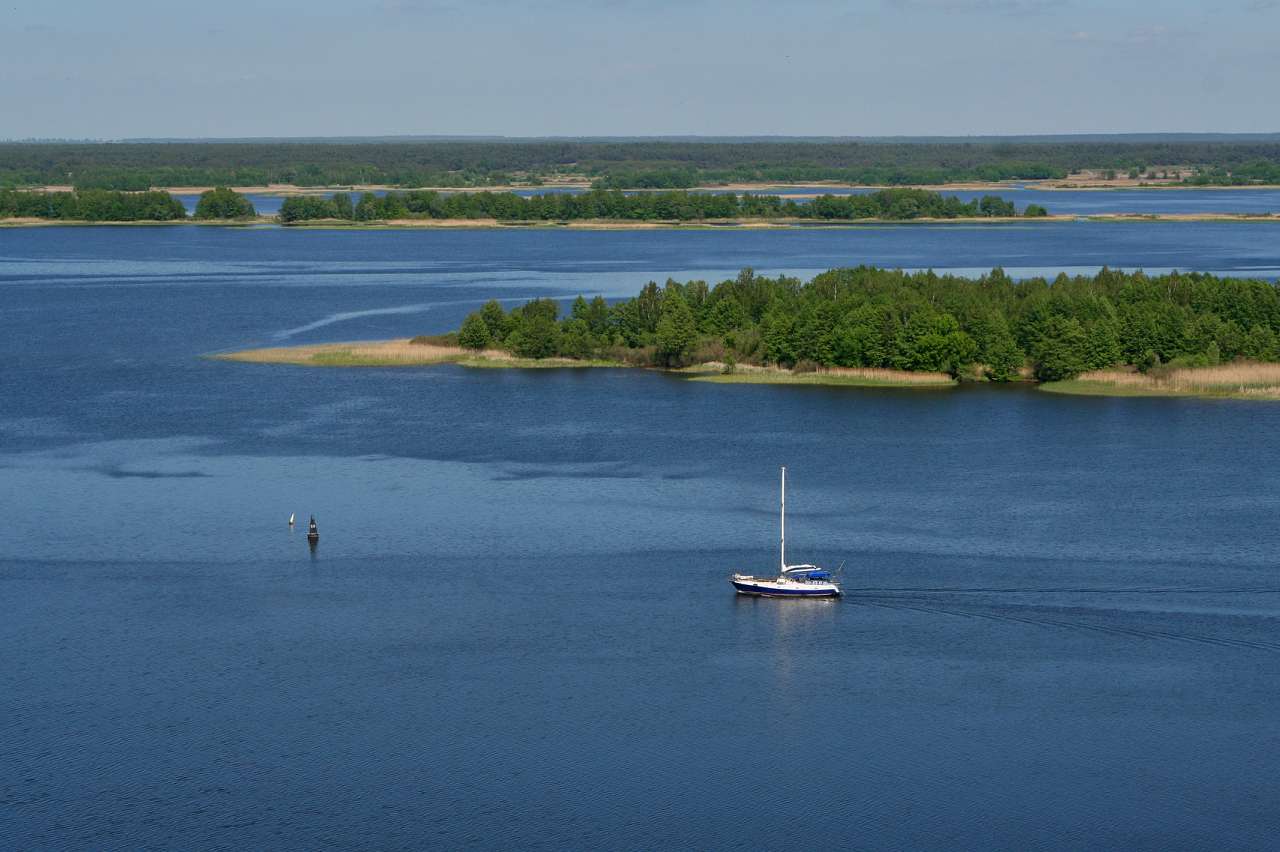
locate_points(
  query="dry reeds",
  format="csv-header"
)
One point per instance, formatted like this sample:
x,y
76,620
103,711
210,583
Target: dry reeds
x,y
883,374
821,375
1242,377
374,353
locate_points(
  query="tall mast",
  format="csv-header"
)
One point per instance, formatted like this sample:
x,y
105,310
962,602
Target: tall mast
x,y
782,545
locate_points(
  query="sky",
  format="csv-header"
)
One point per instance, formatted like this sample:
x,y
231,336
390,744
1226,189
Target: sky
x,y
234,68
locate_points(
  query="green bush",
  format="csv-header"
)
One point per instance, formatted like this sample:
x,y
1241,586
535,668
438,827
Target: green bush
x,y
223,203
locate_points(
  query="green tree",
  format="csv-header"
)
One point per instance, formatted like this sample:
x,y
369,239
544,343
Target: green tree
x,y
1060,352
1101,346
223,203
537,336
474,333
495,319
676,332
934,343
777,330
342,206
725,316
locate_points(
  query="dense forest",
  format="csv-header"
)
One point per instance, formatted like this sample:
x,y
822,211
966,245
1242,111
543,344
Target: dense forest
x,y
612,164
991,327
92,205
899,204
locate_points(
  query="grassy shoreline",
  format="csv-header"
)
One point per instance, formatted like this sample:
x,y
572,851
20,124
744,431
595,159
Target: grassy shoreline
x,y
397,353
1254,381
404,353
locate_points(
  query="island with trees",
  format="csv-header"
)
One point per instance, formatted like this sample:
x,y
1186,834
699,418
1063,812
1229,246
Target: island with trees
x,y
616,206
636,163
1114,332
422,207
114,206
91,205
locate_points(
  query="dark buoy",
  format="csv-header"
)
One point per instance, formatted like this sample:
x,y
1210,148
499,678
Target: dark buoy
x,y
313,534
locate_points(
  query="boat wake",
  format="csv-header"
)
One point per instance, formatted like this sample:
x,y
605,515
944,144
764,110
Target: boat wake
x,y
345,316
350,315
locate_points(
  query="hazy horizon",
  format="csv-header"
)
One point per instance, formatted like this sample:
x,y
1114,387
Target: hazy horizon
x,y
628,68
1119,136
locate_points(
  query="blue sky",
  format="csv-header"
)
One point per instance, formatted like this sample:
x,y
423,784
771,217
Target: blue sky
x,y
635,67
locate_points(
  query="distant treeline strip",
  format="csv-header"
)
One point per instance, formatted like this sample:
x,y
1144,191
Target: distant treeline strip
x,y
898,204
92,205
621,164
101,205
992,326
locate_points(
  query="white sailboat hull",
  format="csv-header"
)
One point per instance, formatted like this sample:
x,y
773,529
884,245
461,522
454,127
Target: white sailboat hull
x,y
782,587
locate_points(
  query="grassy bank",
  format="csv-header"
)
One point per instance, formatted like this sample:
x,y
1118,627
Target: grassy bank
x,y
1233,381
848,376
396,353
405,353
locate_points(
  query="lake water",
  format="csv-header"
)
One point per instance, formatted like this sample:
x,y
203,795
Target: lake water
x,y
1079,202
1061,626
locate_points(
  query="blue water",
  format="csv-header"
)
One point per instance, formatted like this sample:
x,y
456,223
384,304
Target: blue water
x,y
1060,632
1080,202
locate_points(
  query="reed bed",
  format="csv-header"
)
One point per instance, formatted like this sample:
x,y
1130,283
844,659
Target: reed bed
x,y
395,353
714,371
882,374
1242,379
381,352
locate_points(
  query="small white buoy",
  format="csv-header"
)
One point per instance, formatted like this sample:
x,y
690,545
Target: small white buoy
x,y
291,519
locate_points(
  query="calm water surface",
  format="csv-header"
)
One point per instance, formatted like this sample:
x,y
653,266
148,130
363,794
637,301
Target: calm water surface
x,y
1061,629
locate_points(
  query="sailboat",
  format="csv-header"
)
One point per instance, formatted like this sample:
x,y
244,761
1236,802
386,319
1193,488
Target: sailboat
x,y
291,519
793,581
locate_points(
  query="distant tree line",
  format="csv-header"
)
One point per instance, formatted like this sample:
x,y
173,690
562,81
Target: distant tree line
x,y
103,205
873,175
1256,172
899,204
612,164
92,205
992,326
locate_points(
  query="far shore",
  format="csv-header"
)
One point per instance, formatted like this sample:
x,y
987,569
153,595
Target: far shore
x,y
1074,183
642,225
